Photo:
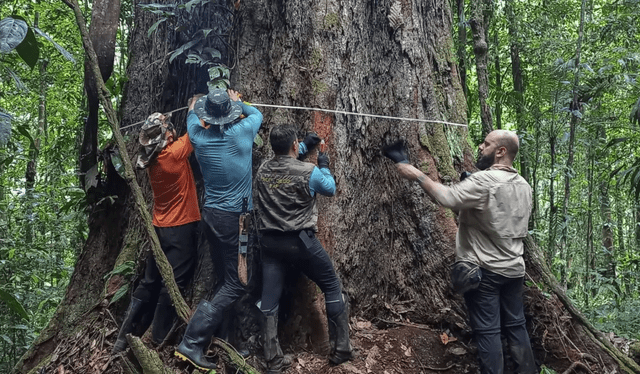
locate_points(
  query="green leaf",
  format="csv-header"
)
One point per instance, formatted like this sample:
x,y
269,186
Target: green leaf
x,y
183,48
28,49
215,54
206,32
218,83
12,32
124,269
155,26
60,49
189,6
120,293
13,304
258,140
214,73
17,80
22,129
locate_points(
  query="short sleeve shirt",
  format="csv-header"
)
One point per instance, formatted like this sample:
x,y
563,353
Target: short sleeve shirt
x,y
174,190
494,207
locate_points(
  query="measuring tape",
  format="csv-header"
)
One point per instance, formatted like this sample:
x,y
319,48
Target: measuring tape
x,y
331,111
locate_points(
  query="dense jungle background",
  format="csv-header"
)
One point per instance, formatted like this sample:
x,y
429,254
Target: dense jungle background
x,y
562,73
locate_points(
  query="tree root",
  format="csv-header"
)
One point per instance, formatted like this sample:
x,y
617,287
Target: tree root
x,y
625,362
575,365
148,359
233,359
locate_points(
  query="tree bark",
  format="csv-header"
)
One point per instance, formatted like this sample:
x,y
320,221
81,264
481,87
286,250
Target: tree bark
x,y
105,15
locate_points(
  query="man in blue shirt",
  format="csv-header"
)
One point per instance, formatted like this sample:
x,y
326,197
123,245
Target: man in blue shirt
x,y
222,143
287,220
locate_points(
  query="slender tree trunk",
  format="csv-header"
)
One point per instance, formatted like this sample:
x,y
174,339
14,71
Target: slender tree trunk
x,y
103,29
34,147
636,215
575,118
462,44
479,25
518,84
589,256
498,73
551,250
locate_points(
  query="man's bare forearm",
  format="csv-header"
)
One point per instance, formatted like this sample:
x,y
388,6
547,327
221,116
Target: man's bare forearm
x,y
434,189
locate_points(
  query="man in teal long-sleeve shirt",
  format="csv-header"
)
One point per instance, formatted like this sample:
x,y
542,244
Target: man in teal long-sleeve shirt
x,y
222,143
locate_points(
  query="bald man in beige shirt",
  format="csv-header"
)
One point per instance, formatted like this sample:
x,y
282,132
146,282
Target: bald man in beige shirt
x,y
494,205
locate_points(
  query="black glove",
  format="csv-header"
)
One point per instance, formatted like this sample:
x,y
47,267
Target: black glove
x,y
464,175
397,152
311,141
323,160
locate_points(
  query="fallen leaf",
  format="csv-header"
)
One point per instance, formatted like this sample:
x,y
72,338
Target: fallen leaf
x,y
407,352
445,338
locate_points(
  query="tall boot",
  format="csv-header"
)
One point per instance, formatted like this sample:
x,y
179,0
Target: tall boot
x,y
198,336
162,321
341,350
134,314
276,361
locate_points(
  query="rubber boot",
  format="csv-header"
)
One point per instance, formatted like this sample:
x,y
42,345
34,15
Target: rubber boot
x,y
162,322
133,317
276,361
341,350
198,336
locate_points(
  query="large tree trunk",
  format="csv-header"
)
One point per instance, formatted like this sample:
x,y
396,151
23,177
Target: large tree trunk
x,y
390,244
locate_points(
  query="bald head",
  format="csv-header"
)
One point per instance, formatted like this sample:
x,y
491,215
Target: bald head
x,y
507,139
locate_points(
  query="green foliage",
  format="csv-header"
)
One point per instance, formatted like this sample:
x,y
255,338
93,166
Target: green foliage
x,y
623,319
198,49
598,263
42,225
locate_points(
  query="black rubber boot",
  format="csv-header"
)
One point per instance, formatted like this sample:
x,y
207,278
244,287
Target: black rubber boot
x,y
276,361
132,318
162,322
341,350
198,336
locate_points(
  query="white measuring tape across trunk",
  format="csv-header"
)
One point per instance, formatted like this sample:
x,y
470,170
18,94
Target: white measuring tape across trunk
x,y
333,111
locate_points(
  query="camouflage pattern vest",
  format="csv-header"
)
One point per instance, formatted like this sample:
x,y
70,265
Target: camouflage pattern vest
x,y
283,195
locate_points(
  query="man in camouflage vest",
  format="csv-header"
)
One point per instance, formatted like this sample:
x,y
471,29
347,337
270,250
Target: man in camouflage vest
x,y
288,215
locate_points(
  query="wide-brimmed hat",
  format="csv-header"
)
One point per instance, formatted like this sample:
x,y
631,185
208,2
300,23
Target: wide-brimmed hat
x,y
152,138
217,108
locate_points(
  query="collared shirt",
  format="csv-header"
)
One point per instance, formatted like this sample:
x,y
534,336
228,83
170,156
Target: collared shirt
x,y
175,201
225,159
494,207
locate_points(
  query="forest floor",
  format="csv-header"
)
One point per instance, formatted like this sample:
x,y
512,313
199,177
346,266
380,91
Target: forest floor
x,y
405,348
380,347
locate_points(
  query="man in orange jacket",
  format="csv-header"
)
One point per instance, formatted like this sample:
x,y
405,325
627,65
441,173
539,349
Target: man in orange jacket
x,y
175,218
